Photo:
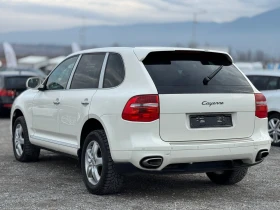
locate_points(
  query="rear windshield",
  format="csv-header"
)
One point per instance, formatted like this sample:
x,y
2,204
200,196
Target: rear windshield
x,y
179,72
16,82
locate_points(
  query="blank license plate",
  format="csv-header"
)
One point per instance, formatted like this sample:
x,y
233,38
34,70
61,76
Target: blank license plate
x,y
210,121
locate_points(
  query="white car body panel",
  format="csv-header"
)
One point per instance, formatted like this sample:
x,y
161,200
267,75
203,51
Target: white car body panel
x,y
58,127
73,114
45,114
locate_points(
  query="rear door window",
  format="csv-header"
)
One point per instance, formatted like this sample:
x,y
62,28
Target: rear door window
x,y
273,83
264,82
88,71
179,72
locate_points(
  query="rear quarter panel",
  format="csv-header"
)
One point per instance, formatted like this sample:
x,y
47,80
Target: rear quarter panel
x,y
108,103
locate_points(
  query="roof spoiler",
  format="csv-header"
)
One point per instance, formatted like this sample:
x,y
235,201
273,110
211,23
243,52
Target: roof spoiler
x,y
142,53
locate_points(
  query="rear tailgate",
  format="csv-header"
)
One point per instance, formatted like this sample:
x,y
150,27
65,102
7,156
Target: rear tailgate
x,y
190,110
14,85
175,123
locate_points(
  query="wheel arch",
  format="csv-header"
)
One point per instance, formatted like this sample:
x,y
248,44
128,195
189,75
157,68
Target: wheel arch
x,y
271,112
90,125
16,113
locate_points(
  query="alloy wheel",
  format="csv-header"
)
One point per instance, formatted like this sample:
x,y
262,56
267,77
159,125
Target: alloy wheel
x,y
19,140
93,162
274,129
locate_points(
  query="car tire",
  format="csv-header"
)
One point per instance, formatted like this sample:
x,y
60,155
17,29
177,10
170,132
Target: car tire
x,y
274,118
24,151
99,174
229,177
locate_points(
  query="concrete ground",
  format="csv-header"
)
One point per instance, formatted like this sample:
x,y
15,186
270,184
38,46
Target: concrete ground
x,y
55,182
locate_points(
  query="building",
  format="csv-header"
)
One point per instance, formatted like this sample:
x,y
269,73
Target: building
x,y
34,62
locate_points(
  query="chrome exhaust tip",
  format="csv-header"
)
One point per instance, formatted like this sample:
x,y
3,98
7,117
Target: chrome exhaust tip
x,y
151,162
261,155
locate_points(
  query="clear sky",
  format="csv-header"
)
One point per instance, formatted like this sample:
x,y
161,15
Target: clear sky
x,y
19,15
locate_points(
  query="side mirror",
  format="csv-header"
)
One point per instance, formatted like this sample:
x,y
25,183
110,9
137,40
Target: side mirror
x,y
33,83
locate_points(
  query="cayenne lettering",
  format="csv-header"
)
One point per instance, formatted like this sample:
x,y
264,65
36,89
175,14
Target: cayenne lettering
x,y
212,103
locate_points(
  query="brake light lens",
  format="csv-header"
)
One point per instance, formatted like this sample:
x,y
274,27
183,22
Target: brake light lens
x,y
143,108
261,106
9,93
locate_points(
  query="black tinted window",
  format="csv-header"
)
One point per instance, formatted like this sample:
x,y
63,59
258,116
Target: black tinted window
x,y
16,82
114,73
88,71
60,76
273,83
265,82
183,72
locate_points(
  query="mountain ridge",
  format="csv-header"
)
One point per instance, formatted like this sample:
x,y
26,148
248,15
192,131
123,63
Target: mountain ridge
x,y
260,32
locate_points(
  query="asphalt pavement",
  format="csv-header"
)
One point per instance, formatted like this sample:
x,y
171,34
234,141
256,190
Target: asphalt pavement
x,y
55,182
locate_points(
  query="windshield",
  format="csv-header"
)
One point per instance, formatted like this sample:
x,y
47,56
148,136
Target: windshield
x,y
180,72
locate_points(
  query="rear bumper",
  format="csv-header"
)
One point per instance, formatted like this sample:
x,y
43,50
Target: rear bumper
x,y
142,140
6,103
194,158
6,100
5,107
182,168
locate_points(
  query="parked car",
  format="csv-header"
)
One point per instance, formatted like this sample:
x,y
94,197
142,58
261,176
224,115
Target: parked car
x,y
268,82
38,72
151,110
12,83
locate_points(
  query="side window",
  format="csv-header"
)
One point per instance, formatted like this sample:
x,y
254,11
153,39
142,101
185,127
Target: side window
x,y
260,82
114,72
278,85
59,78
273,83
88,71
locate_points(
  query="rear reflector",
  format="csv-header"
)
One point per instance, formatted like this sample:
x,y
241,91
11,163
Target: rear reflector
x,y
143,108
7,105
261,105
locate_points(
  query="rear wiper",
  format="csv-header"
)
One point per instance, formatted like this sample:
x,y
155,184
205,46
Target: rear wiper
x,y
211,76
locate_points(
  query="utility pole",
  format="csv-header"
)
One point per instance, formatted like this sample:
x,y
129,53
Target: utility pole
x,y
195,14
82,32
194,27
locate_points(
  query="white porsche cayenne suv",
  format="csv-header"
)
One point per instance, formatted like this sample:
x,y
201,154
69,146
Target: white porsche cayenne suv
x,y
153,110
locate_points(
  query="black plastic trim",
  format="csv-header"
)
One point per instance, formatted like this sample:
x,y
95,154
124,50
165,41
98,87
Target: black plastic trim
x,y
181,168
60,153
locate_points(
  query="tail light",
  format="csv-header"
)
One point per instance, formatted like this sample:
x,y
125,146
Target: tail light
x,y
9,93
143,108
261,105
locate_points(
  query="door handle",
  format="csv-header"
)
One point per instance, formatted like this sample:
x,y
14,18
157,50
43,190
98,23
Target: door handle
x,y
85,102
56,102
